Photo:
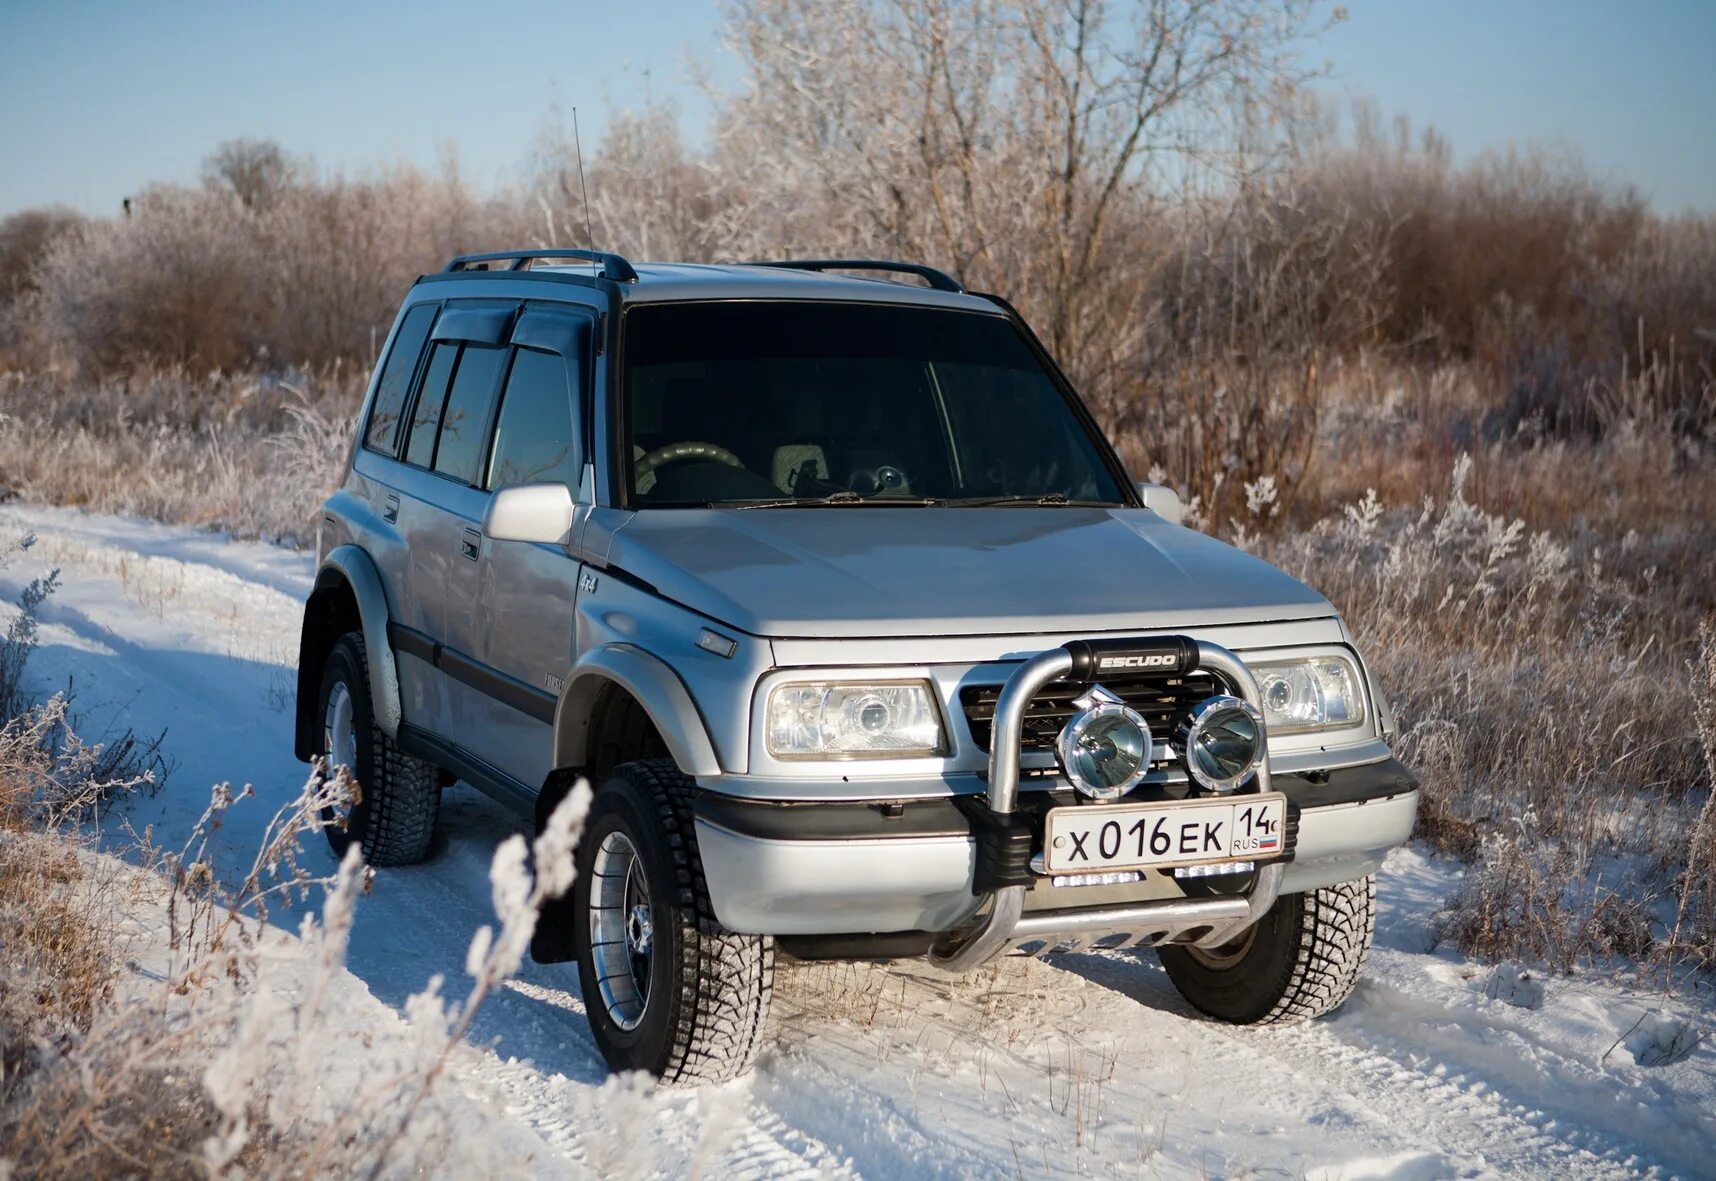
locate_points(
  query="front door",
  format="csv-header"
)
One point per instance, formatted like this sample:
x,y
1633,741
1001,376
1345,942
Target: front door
x,y
527,592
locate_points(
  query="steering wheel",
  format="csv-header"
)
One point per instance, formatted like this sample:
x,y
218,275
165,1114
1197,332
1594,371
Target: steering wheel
x,y
880,481
674,452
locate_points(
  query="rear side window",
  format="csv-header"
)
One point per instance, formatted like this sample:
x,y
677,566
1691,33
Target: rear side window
x,y
535,435
465,422
382,433
420,448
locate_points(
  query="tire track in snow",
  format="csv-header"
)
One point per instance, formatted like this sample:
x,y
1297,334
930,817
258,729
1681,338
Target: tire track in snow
x,y
1421,1066
1543,1111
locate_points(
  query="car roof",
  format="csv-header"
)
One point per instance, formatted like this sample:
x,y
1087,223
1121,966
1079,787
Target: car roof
x,y
662,282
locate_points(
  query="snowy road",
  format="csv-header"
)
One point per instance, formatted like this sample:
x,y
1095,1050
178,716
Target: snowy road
x,y
1085,1066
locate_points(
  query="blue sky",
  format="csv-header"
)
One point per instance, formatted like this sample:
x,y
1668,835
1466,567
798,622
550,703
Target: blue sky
x,y
100,96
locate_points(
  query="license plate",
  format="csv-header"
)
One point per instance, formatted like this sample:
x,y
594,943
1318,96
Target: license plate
x,y
1142,836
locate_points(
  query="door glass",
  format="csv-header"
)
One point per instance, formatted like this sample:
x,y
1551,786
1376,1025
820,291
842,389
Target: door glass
x,y
383,431
534,437
465,425
420,449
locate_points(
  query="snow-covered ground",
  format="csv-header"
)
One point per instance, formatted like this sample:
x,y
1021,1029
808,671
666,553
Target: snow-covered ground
x,y
1087,1065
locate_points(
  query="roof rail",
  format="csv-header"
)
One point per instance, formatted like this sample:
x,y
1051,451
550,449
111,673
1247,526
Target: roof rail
x,y
613,266
940,280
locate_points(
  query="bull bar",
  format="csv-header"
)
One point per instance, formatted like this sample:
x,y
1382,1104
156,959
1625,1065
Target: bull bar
x,y
1005,926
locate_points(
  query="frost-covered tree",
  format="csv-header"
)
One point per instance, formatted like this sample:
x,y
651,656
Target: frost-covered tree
x,y
1024,144
256,171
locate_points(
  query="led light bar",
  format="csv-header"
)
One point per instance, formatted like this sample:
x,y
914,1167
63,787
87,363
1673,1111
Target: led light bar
x,y
1210,871
1124,877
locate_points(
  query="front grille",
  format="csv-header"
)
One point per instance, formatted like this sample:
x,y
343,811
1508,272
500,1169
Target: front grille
x,y
1161,701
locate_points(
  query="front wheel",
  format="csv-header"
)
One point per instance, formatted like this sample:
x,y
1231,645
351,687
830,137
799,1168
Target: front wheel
x,y
1302,959
666,987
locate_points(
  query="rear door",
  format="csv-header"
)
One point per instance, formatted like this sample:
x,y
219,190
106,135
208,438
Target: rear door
x,y
379,477
527,592
441,505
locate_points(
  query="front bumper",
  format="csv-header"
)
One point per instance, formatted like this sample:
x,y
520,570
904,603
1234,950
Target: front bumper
x,y
825,869
927,866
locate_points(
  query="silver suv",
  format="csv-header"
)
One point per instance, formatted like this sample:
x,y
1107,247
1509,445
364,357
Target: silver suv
x,y
831,587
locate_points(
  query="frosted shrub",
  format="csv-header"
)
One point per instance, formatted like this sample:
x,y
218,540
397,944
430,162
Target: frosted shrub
x,y
1531,899
305,271
1541,703
176,283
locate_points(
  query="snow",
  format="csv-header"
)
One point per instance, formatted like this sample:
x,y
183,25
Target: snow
x,y
1087,1065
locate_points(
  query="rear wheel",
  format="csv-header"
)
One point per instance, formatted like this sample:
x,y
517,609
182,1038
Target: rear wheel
x,y
393,819
1302,959
666,987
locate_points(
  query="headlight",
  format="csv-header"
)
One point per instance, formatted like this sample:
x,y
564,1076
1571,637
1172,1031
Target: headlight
x,y
1319,693
884,719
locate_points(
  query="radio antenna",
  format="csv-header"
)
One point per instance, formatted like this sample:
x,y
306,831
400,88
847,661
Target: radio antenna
x,y
578,146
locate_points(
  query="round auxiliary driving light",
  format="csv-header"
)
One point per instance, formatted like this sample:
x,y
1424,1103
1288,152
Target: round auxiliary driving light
x,y
1222,738
1105,748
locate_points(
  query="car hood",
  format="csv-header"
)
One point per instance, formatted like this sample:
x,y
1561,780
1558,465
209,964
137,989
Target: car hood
x,y
875,572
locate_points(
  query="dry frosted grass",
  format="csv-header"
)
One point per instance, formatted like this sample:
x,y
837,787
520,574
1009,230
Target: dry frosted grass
x,y
1542,681
61,940
248,455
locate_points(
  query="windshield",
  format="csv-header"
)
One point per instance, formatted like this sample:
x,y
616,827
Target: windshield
x,y
787,403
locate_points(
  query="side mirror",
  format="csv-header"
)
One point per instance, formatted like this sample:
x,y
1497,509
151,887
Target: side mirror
x,y
1163,501
530,512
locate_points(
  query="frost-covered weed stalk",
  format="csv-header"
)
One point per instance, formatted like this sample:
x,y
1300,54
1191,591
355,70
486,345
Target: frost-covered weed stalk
x,y
221,1068
1543,698
379,1128
493,957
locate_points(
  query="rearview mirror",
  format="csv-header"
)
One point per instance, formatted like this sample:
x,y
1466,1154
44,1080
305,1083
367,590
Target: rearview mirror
x,y
1164,501
530,512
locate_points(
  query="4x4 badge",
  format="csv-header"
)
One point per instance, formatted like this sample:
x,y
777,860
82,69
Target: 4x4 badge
x,y
587,583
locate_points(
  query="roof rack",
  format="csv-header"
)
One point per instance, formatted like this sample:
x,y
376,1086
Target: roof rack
x,y
613,266
940,280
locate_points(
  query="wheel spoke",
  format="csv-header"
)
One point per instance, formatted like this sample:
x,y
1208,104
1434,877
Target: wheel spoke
x,y
621,929
339,736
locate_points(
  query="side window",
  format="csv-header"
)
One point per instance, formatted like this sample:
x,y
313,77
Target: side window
x,y
536,435
465,422
420,447
382,434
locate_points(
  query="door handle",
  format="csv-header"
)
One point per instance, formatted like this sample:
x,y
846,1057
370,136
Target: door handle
x,y
390,509
471,544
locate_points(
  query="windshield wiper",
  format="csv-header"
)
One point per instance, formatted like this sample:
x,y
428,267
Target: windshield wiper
x,y
836,500
1056,499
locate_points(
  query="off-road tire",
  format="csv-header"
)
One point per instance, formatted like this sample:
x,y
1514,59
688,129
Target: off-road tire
x,y
1304,959
399,796
709,989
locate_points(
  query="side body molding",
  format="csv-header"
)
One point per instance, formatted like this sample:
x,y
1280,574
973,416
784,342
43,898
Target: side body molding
x,y
361,575
655,686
